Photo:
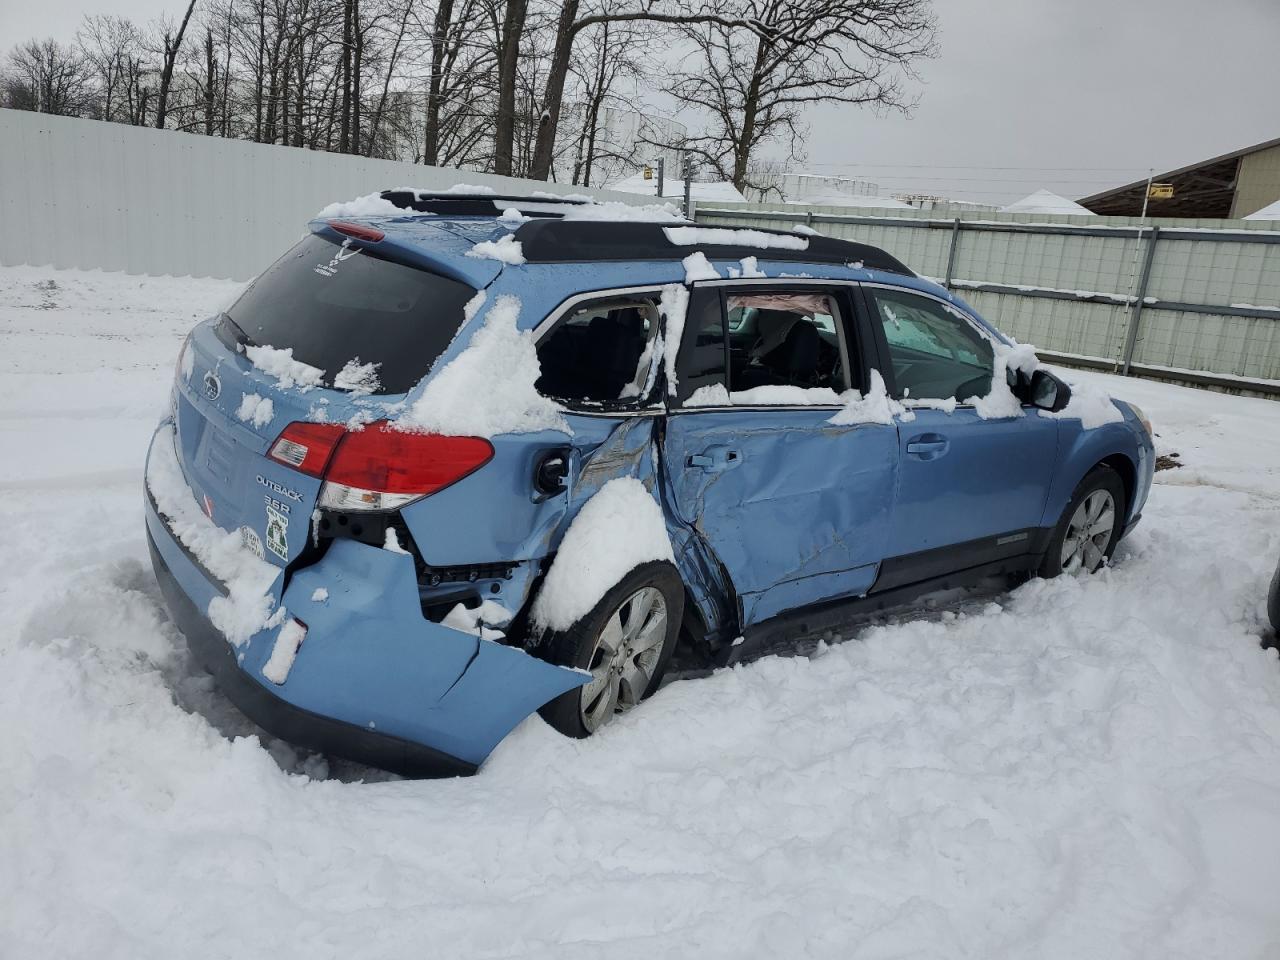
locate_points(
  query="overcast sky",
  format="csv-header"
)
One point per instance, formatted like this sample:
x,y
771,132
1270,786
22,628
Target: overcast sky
x,y
1075,95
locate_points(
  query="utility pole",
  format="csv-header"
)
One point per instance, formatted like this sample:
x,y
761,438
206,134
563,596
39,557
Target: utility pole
x,y
661,165
688,186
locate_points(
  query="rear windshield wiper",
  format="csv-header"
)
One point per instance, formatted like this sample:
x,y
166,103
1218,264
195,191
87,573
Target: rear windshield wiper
x,y
229,329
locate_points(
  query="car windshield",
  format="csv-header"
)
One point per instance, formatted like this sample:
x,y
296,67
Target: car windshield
x,y
334,303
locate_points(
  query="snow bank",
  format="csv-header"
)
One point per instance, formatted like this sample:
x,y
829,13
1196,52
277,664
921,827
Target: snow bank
x,y
370,205
618,529
255,410
1074,769
280,364
506,249
247,607
488,389
725,236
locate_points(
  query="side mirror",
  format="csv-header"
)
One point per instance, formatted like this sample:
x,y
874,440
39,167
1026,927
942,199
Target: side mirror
x,y
1048,392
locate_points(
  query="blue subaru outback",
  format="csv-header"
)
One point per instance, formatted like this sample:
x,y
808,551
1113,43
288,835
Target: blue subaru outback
x,y
479,456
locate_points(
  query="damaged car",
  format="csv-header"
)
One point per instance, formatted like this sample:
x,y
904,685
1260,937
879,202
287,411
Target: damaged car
x,y
455,459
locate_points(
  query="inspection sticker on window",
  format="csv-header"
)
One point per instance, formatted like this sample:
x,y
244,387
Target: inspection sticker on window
x,y
277,532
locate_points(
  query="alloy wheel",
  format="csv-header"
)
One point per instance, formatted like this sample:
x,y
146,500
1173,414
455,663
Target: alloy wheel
x,y
625,657
1088,533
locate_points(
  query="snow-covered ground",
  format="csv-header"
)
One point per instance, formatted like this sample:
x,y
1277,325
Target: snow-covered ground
x,y
1078,769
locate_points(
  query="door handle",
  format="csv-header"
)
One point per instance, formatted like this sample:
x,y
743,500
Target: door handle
x,y
928,446
715,459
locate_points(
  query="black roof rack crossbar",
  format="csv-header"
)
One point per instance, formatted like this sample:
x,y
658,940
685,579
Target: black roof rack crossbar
x,y
567,241
471,205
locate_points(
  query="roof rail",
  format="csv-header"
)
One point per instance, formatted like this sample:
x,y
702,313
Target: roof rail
x,y
568,241
479,204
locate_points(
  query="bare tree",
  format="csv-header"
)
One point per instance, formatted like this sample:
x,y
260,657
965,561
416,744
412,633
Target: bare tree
x,y
172,44
113,51
756,84
48,77
615,56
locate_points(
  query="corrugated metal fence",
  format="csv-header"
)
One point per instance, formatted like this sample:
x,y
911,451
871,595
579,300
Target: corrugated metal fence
x,y
80,193
1187,295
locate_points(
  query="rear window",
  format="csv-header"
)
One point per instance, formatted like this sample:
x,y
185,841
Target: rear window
x,y
334,303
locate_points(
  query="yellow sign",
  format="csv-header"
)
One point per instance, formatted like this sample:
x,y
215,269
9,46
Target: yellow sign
x,y
648,173
1160,191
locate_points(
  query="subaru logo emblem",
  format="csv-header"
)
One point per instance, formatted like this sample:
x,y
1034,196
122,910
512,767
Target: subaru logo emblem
x,y
212,385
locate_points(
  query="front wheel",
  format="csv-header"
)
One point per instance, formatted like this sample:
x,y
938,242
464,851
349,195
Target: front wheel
x,y
1090,527
625,642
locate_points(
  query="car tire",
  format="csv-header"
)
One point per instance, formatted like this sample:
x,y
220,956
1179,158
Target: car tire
x,y
1073,548
627,662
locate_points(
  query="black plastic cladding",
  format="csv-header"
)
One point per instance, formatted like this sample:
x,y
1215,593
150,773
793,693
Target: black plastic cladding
x,y
461,205
566,241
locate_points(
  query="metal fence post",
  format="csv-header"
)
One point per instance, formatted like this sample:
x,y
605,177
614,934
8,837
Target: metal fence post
x,y
1131,341
951,254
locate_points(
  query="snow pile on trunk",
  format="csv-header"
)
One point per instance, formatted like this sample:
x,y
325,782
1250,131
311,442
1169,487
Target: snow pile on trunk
x,y
724,236
489,388
506,249
255,410
289,373
370,205
618,529
247,607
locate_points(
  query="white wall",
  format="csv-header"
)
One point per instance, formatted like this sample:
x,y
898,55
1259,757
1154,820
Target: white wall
x,y
80,193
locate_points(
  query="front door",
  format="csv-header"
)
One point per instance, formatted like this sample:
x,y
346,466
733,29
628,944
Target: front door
x,y
798,510
972,490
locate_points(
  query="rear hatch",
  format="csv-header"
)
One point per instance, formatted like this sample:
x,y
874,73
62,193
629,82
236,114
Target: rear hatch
x,y
335,331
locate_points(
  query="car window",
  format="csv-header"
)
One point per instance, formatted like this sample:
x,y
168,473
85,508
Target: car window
x,y
936,353
333,302
776,339
602,352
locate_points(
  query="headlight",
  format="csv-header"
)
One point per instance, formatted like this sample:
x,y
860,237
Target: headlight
x,y
1142,419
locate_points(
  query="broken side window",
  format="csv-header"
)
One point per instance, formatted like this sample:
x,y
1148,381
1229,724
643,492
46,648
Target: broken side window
x,y
602,352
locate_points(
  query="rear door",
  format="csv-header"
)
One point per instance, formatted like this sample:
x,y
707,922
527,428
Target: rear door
x,y
972,491
796,509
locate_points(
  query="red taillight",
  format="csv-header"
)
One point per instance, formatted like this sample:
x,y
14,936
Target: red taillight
x,y
392,461
378,468
359,231
307,446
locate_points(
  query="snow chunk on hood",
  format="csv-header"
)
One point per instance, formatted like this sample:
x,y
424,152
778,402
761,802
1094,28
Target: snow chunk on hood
x,y
247,608
618,529
694,236
489,388
281,365
506,249
370,205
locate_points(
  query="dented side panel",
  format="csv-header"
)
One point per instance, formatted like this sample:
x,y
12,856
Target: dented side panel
x,y
798,511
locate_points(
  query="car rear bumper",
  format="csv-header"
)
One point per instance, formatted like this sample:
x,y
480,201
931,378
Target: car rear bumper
x,y
297,725
373,680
